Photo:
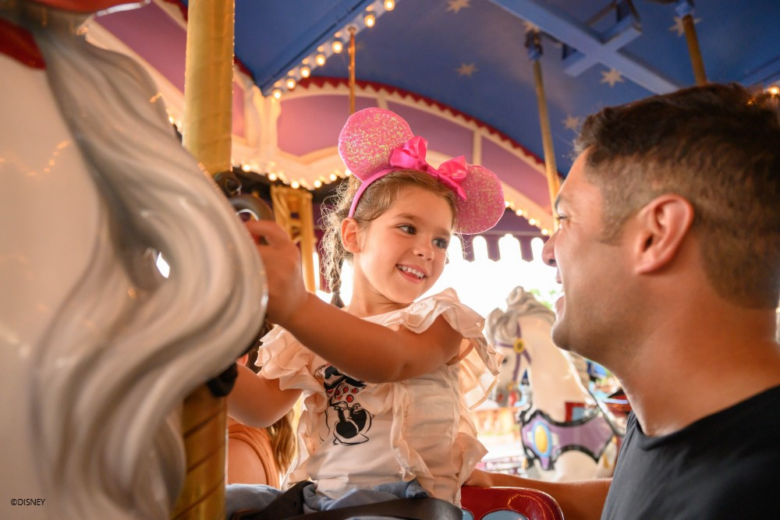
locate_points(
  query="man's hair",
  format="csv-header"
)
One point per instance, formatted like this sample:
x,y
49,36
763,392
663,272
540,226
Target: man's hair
x,y
719,147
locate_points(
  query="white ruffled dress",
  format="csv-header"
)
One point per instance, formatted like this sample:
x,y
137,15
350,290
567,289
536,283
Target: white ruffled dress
x,y
359,435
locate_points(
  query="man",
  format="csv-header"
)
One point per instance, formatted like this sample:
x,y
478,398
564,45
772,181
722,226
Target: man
x,y
668,251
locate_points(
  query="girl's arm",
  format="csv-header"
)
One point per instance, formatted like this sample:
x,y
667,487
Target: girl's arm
x,y
364,350
257,401
371,352
578,500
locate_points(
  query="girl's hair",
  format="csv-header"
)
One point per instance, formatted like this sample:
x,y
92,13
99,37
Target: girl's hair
x,y
374,202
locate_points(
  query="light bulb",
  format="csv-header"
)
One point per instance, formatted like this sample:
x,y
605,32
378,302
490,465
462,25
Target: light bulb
x,y
774,90
295,185
532,221
519,212
277,94
271,176
338,46
320,59
246,167
545,232
370,20
305,72
333,176
389,5
291,83
317,183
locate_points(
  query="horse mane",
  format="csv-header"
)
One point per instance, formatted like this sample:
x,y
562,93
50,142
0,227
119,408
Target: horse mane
x,y
127,345
501,326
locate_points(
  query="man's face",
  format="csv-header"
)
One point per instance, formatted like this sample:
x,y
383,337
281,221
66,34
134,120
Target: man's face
x,y
594,275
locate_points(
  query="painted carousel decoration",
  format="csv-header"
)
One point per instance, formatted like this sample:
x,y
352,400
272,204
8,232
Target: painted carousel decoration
x,y
565,435
98,348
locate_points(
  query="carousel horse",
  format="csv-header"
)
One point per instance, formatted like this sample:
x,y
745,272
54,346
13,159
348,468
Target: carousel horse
x,y
560,446
97,348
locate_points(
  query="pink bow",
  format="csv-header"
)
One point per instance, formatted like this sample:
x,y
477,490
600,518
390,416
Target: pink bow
x,y
411,155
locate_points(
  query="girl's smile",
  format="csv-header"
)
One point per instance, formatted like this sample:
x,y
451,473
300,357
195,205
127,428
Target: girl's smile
x,y
414,274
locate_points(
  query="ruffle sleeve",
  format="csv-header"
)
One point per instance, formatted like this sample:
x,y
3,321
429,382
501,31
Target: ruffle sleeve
x,y
283,357
479,361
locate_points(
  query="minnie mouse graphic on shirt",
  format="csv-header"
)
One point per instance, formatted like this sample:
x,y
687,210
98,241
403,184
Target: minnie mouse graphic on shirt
x,y
350,422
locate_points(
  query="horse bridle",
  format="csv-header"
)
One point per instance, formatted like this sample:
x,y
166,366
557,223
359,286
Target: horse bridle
x,y
519,348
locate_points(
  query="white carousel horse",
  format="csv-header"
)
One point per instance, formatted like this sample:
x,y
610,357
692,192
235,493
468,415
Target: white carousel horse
x,y
97,349
560,447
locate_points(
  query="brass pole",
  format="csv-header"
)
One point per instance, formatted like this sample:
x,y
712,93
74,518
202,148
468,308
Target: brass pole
x,y
208,87
289,201
351,70
693,49
208,103
533,43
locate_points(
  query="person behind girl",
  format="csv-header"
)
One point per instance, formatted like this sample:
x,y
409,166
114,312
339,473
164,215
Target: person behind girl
x,y
387,385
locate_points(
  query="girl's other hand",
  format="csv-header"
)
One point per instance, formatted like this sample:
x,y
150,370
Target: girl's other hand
x,y
282,260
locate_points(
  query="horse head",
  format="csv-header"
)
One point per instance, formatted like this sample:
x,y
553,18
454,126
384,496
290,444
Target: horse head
x,y
98,348
517,332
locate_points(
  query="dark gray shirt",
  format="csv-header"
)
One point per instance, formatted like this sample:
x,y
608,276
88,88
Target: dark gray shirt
x,y
724,466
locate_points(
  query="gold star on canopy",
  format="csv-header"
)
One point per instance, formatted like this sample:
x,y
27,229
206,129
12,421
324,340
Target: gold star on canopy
x,y
467,69
530,27
572,122
457,5
679,27
611,77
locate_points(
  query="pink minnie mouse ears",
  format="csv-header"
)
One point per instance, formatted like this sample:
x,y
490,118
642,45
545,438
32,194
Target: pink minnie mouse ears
x,y
375,142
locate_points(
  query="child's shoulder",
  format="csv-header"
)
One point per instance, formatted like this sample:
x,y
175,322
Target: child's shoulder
x,y
422,313
446,299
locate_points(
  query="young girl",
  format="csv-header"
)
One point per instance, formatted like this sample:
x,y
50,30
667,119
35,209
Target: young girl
x,y
387,384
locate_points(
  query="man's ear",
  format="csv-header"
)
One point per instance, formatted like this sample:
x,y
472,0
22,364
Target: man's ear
x,y
663,225
350,231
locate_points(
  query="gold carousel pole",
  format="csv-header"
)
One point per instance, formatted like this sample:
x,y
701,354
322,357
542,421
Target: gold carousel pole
x,y
685,10
208,91
534,45
352,31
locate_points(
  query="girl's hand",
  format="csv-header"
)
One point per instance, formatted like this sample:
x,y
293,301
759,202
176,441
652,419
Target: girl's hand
x,y
282,261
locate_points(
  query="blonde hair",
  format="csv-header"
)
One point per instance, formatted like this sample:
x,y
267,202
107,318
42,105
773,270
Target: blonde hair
x,y
373,203
282,436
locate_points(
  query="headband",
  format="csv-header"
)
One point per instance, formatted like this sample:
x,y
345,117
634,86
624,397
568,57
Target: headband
x,y
376,142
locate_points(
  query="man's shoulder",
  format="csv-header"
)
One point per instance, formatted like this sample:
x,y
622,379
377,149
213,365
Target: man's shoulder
x,y
722,466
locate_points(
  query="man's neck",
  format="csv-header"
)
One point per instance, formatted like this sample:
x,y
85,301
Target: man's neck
x,y
704,364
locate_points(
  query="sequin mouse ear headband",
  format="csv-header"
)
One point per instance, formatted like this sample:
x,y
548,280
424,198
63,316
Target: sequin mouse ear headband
x,y
375,142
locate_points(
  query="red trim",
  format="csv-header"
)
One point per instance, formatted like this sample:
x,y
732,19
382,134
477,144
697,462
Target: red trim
x,y
20,45
183,10
530,503
337,82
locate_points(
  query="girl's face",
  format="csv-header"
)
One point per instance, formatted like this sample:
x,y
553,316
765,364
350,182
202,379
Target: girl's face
x,y
401,254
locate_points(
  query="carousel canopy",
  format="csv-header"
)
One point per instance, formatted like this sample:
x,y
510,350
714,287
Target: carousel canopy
x,y
460,71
